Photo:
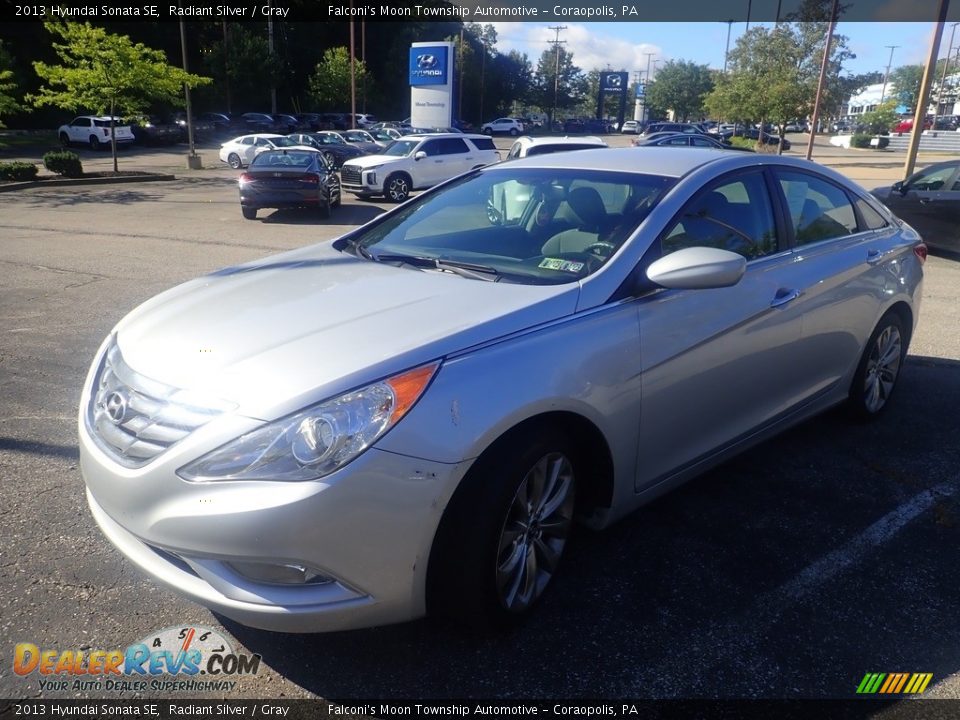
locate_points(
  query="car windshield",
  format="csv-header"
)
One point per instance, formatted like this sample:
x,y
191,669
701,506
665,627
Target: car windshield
x,y
356,137
401,148
527,225
283,158
331,140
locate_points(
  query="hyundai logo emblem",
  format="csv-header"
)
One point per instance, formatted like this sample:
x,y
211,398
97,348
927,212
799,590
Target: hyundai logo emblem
x,y
613,80
116,407
427,62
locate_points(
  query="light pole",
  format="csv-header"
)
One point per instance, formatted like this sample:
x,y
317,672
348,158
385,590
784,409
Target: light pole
x,y
726,52
943,77
193,160
815,120
886,75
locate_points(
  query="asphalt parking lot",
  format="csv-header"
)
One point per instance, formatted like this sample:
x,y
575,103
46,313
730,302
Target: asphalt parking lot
x,y
791,571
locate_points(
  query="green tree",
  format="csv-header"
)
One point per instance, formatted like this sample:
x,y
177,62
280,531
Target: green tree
x,y
243,66
107,74
763,83
880,121
904,84
564,89
681,86
8,103
330,81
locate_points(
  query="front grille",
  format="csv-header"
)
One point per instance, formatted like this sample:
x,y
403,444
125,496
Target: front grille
x,y
350,175
135,418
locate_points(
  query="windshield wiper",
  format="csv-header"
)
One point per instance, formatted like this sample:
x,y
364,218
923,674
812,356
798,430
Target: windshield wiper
x,y
467,270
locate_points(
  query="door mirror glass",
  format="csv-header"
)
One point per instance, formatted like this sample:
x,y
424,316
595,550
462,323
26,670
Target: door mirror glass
x,y
420,155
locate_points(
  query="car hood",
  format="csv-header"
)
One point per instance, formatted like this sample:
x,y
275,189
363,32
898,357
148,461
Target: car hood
x,y
368,161
290,330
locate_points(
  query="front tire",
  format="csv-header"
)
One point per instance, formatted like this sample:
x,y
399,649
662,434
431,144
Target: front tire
x,y
249,213
65,140
233,160
879,368
397,188
503,534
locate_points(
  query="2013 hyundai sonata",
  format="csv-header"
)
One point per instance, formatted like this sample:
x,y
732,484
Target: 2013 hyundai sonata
x,y
409,419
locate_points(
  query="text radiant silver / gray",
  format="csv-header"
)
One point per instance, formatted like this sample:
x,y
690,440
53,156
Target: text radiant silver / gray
x,y
408,420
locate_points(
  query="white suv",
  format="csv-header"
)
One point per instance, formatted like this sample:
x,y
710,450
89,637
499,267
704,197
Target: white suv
x,y
415,162
94,130
503,125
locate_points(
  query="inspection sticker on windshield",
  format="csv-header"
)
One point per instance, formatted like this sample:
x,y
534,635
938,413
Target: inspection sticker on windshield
x,y
558,264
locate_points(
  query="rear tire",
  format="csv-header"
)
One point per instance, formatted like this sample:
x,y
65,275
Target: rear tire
x,y
325,210
94,143
248,212
502,536
514,132
233,160
879,369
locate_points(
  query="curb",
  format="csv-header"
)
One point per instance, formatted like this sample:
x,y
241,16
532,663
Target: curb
x,y
67,182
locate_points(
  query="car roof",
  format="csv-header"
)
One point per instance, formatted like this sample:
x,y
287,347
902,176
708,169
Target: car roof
x,y
561,140
426,136
667,162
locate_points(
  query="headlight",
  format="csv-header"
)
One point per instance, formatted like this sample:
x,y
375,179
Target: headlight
x,y
316,441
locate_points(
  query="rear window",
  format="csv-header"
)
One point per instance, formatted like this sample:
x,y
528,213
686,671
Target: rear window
x,y
546,149
284,158
483,143
103,123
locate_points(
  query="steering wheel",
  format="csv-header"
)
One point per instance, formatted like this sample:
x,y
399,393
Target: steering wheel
x,y
601,248
493,215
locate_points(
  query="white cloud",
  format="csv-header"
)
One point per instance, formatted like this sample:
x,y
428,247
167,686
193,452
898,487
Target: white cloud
x,y
591,50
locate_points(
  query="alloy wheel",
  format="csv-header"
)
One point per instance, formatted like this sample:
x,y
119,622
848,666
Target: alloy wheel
x,y
883,366
535,532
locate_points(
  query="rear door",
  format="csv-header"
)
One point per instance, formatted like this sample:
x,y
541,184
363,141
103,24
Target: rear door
x,y
846,261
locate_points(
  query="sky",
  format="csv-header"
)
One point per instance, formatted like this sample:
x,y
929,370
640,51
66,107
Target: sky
x,y
624,44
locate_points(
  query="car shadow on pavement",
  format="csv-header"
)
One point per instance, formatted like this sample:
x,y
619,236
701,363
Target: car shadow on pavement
x,y
343,215
33,447
790,571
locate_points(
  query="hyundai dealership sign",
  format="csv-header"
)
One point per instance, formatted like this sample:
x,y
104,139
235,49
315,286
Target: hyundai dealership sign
x,y
428,65
431,84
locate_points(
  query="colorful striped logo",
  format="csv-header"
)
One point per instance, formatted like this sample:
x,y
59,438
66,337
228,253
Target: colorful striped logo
x,y
894,683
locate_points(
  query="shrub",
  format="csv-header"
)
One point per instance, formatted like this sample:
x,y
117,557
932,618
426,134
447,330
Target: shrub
x,y
18,171
63,162
862,140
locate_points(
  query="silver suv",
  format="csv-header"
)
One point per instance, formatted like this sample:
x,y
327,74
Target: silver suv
x,y
415,162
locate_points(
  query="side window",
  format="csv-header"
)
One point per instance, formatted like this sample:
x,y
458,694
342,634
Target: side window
x,y
677,141
246,140
872,220
484,143
452,146
931,179
819,209
431,147
735,215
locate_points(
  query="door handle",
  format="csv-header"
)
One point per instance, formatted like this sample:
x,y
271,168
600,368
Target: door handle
x,y
875,256
784,296
924,201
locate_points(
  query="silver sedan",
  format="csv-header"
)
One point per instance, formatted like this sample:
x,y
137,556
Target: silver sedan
x,y
409,420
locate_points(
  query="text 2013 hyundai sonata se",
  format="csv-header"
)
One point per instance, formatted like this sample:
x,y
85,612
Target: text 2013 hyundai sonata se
x,y
409,419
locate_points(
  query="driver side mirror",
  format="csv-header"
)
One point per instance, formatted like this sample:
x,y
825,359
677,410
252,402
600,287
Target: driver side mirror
x,y
899,187
419,155
698,268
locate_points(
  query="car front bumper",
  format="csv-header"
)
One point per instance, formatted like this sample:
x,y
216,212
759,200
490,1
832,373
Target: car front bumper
x,y
368,527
